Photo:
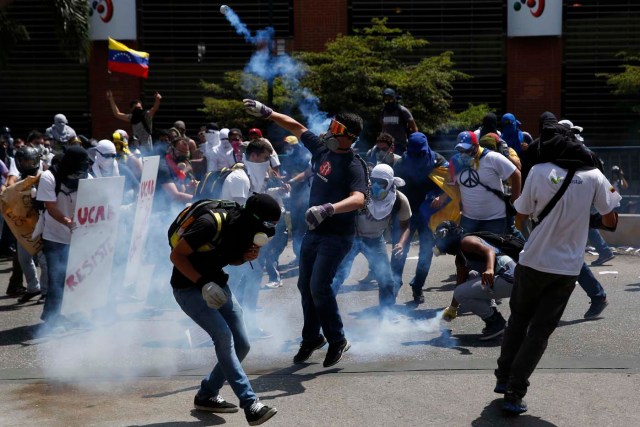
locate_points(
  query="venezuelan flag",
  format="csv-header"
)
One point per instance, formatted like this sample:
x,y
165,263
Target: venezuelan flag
x,y
127,61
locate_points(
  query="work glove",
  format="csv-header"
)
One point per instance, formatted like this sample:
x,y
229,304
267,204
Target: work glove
x,y
256,108
214,295
450,313
316,214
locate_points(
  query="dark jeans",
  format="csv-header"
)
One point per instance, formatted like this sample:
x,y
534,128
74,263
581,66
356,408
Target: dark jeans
x,y
590,284
57,255
299,203
537,302
375,251
273,250
320,257
420,225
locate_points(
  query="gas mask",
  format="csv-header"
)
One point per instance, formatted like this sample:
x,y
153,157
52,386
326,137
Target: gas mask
x,y
447,238
379,188
336,129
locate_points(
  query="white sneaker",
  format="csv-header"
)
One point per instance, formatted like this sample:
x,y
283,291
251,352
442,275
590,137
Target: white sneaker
x,y
274,285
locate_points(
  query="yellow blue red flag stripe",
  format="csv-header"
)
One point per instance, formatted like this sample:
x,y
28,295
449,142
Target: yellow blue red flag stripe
x,y
128,61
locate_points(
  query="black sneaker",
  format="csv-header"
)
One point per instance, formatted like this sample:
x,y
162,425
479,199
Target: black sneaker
x,y
42,299
418,297
258,413
28,296
500,388
306,349
214,404
597,307
602,259
495,326
334,353
514,405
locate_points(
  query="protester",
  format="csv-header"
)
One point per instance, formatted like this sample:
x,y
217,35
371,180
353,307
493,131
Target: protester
x,y
105,163
60,132
141,120
479,173
417,168
337,192
552,257
396,120
387,202
383,151
511,133
492,276
58,191
216,238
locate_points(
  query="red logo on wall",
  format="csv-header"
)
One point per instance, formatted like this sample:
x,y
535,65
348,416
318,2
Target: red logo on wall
x,y
536,7
104,8
325,168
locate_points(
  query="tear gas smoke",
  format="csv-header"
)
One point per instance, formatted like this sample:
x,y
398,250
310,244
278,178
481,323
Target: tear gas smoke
x,y
268,66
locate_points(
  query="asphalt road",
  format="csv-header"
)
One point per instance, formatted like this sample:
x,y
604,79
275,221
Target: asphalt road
x,y
137,367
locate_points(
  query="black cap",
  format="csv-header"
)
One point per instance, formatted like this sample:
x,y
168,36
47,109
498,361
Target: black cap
x,y
212,126
264,207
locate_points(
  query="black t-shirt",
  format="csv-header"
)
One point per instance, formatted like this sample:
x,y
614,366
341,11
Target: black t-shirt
x,y
335,176
209,264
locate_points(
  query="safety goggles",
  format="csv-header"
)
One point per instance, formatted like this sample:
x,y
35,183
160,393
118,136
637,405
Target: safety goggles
x,y
380,181
108,155
267,224
441,234
338,129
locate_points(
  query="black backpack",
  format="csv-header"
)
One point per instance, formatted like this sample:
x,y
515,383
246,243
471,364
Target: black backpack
x,y
217,208
508,244
210,187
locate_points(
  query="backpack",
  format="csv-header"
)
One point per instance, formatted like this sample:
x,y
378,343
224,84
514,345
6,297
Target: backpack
x,y
508,244
216,208
210,187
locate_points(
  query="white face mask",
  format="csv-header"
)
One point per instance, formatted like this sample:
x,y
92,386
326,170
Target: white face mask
x,y
212,137
257,173
105,166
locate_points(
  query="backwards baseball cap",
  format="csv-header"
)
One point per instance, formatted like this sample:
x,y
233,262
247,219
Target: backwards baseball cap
x,y
212,126
490,141
466,141
291,140
255,131
416,143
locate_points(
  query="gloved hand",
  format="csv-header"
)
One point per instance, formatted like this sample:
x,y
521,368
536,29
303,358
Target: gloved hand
x,y
256,108
450,313
214,295
316,214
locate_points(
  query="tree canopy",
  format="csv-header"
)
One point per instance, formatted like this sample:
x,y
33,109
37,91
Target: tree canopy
x,y
626,82
350,75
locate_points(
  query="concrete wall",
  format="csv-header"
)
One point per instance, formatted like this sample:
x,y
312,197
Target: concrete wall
x,y
627,233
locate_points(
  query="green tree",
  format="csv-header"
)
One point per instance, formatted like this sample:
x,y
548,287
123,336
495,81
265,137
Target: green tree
x,y
71,26
626,82
352,73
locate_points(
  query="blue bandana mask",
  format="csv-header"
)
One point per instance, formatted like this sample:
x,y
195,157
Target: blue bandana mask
x,y
378,192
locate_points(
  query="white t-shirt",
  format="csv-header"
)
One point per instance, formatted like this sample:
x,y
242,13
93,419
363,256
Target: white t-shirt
x,y
66,203
220,157
477,201
557,244
369,227
13,168
236,187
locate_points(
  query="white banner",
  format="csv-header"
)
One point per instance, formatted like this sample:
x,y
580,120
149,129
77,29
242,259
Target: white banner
x,y
141,223
534,18
88,278
112,18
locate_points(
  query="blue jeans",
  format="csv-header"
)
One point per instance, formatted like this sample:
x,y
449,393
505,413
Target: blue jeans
x,y
245,281
320,257
226,328
30,271
299,203
375,251
497,226
57,256
595,238
273,250
418,223
590,284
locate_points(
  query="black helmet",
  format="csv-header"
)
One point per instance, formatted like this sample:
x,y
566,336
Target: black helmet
x,y
447,237
28,160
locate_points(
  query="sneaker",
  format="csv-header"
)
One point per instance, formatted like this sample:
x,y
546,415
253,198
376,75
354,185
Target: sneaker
x,y
597,307
495,326
214,404
307,349
513,405
369,278
449,314
418,297
500,388
258,413
16,291
41,299
602,259
334,353
260,334
28,296
274,285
